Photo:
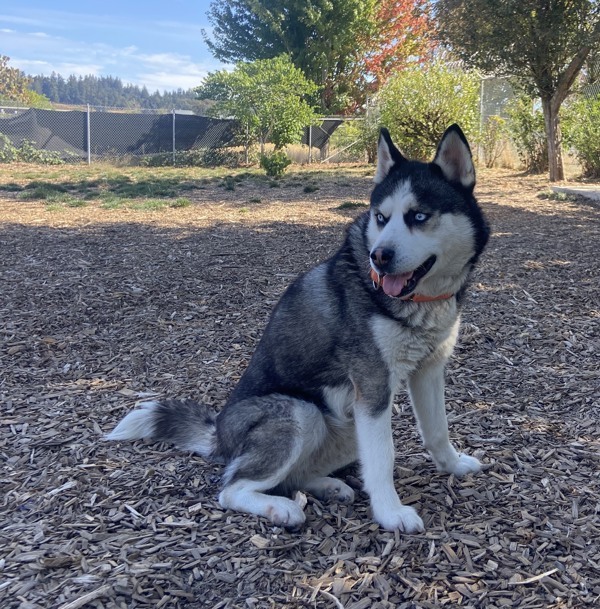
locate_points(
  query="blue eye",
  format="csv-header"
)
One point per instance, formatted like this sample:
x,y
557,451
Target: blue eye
x,y
381,218
420,217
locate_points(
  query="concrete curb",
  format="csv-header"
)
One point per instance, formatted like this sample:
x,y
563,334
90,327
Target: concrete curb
x,y
589,192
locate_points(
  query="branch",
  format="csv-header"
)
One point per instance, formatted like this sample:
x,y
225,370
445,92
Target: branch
x,y
568,76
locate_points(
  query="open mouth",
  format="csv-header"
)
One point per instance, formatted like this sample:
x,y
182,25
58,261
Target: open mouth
x,y
403,284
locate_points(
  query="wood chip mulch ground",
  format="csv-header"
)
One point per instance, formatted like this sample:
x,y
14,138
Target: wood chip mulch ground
x,y
100,309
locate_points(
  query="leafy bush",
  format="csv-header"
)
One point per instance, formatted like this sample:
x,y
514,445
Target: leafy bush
x,y
419,103
493,139
275,163
526,128
267,97
26,152
8,153
357,139
581,126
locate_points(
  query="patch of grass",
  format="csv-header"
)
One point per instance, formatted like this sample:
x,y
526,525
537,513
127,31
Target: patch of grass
x,y
551,195
351,205
149,205
180,202
310,188
77,203
48,186
255,200
274,184
54,200
35,194
11,186
145,189
228,183
42,190
92,194
30,195
112,202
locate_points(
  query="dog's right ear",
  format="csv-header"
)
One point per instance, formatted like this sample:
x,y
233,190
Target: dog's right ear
x,y
387,155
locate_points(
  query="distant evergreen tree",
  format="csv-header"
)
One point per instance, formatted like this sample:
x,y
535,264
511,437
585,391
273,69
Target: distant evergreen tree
x,y
109,91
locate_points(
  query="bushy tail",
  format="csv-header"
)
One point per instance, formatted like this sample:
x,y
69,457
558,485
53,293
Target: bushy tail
x,y
187,424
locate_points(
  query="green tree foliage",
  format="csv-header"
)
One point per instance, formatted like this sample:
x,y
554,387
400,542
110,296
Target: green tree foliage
x,y
542,43
266,96
320,36
13,83
526,128
419,103
582,132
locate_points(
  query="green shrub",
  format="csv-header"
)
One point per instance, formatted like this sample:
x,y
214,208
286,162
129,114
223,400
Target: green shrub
x,y
275,163
420,102
493,139
581,130
8,153
26,152
526,128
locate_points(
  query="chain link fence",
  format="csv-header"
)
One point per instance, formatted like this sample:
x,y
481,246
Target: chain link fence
x,y
97,133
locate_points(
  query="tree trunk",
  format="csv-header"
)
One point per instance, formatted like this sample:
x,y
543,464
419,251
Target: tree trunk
x,y
552,126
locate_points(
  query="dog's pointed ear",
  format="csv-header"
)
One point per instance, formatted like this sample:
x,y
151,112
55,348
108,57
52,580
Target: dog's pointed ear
x,y
387,155
454,158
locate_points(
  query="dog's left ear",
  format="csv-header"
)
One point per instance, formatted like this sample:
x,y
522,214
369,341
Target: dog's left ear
x,y
454,158
387,155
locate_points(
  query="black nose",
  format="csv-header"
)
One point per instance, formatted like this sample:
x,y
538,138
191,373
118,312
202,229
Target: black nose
x,y
382,256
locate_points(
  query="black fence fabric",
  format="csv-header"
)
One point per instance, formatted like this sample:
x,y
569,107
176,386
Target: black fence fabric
x,y
113,133
317,136
123,133
63,132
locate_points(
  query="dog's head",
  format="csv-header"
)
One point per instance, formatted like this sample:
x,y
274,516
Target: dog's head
x,y
425,230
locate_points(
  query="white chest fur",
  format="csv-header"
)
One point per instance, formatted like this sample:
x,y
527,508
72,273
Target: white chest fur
x,y
404,348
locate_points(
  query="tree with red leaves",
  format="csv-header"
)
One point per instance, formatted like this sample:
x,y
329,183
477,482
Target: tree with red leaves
x,y
401,35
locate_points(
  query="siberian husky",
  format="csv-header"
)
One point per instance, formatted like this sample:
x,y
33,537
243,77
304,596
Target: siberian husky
x,y
318,392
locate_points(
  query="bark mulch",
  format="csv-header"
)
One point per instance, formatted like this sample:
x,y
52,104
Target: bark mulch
x,y
102,308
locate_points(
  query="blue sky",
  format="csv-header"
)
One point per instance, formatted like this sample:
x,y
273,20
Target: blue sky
x,y
156,44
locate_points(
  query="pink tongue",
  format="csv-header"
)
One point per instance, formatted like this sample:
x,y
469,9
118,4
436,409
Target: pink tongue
x,y
393,284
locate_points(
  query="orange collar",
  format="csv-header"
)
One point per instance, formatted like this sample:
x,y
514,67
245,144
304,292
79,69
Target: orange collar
x,y
378,280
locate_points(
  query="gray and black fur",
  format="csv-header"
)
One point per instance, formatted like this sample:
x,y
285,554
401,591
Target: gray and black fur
x,y
318,391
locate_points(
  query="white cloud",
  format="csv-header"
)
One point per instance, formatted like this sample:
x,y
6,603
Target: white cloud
x,y
139,61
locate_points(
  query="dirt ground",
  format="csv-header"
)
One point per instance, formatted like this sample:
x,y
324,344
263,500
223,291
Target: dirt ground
x,y
101,308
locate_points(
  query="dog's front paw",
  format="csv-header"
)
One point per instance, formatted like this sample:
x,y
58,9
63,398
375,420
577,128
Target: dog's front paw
x,y
403,518
465,465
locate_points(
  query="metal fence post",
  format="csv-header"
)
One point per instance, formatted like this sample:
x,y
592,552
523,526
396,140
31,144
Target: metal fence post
x,y
173,137
89,143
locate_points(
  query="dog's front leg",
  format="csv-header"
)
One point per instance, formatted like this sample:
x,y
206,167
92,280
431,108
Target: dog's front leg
x,y
426,386
376,454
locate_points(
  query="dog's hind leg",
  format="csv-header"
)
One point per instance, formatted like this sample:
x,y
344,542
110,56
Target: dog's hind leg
x,y
249,496
426,387
330,489
268,441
